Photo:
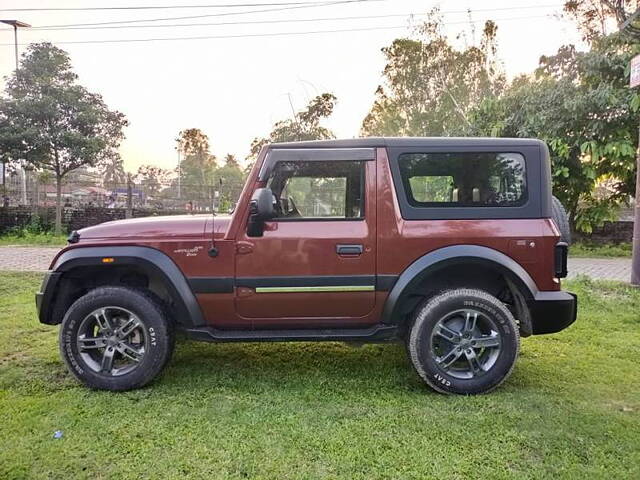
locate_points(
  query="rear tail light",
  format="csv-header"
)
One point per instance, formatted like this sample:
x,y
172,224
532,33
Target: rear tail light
x,y
560,259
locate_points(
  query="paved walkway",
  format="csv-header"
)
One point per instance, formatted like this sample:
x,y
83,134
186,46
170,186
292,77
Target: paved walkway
x,y
27,259
37,259
601,268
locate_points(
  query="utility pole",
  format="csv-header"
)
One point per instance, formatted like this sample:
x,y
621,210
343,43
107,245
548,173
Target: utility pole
x,y
15,24
179,176
634,81
635,258
129,210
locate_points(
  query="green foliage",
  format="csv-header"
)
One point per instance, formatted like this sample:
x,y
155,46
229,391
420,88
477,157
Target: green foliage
x,y
597,18
197,164
591,17
580,105
591,250
230,180
52,122
325,410
431,188
430,86
202,176
36,232
578,102
304,126
9,142
35,225
28,237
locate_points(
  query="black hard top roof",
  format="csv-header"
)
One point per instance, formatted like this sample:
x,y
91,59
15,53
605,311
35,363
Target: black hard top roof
x,y
410,142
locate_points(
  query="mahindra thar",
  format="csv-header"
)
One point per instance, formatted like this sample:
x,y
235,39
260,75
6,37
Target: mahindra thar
x,y
454,246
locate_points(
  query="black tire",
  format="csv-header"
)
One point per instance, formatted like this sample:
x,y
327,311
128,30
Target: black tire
x,y
559,215
136,357
429,352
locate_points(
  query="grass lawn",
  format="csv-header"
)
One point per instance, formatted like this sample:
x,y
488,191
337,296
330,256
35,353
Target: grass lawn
x,y
589,250
25,238
571,409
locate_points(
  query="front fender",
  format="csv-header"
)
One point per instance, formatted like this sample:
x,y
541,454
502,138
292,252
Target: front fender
x,y
151,261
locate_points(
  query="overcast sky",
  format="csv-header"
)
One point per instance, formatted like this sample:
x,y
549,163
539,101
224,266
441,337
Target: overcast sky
x,y
234,89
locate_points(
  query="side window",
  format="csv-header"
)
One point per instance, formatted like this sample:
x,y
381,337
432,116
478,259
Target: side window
x,y
463,179
318,190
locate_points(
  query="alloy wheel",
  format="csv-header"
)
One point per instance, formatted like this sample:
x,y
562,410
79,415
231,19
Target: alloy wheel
x,y
465,343
112,341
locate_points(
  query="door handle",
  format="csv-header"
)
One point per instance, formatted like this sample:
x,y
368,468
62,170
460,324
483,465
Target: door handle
x,y
244,248
344,249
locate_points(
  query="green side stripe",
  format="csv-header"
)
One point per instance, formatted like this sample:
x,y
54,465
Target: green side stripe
x,y
344,288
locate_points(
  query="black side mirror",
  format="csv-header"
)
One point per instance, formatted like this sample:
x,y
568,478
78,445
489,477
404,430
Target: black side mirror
x,y
260,209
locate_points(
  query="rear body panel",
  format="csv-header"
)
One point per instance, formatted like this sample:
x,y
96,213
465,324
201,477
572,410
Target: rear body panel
x,y
528,241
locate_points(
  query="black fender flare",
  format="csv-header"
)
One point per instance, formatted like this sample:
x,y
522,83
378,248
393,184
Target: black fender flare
x,y
149,260
437,260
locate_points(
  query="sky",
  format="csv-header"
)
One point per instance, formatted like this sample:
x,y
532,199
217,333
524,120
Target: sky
x,y
235,89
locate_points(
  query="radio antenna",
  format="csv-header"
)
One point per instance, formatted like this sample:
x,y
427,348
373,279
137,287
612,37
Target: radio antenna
x,y
213,251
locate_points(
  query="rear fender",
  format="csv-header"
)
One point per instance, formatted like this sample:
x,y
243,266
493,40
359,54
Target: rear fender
x,y
433,263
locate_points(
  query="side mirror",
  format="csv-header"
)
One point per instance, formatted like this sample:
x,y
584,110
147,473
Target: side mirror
x,y
260,209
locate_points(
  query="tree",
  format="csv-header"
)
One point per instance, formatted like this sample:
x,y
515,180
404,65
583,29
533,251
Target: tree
x,y
594,17
112,172
229,182
197,165
193,141
152,178
61,125
580,105
9,143
429,86
230,160
305,125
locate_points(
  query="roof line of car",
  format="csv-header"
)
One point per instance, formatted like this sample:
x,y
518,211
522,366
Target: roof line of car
x,y
410,142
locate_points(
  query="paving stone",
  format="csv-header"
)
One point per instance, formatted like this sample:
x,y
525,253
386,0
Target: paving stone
x,y
27,259
601,268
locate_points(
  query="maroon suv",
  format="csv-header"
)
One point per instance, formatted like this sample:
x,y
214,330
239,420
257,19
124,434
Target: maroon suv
x,y
451,245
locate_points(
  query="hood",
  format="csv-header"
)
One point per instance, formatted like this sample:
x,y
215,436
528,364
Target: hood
x,y
151,227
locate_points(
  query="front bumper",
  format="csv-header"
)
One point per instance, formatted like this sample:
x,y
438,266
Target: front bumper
x,y
552,311
46,295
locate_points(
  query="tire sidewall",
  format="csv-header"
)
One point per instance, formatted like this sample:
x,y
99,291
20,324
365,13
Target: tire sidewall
x,y
154,324
561,219
438,307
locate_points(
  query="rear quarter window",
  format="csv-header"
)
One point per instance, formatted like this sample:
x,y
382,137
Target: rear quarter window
x,y
463,179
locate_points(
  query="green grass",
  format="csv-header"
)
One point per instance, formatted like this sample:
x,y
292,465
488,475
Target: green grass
x,y
26,238
571,409
589,250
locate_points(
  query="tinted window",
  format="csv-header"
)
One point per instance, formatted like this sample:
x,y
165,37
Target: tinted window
x,y
463,179
330,190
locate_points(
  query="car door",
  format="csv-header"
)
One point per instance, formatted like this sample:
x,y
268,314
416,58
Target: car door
x,y
314,264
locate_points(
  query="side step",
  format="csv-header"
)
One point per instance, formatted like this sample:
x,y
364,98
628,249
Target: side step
x,y
377,333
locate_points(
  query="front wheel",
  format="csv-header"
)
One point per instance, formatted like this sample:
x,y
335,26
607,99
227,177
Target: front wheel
x,y
116,338
463,341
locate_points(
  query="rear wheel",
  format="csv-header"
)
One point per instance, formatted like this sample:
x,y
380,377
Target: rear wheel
x,y
116,338
463,341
